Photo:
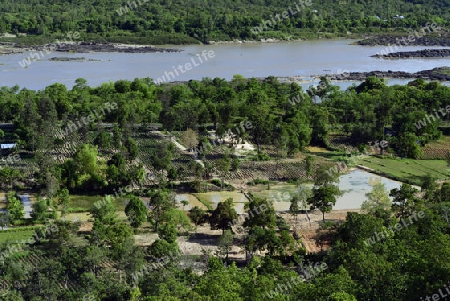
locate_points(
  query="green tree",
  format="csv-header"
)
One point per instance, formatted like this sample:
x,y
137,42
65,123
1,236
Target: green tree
x,y
43,282
294,208
161,158
179,219
39,211
103,140
161,248
85,170
320,126
63,238
160,202
404,200
377,199
15,208
371,83
190,138
86,160
430,187
355,230
51,184
444,193
132,149
104,210
172,174
11,295
260,213
223,166
198,216
117,136
342,296
326,175
135,211
219,282
63,200
223,215
407,145
168,232
235,163
261,118
9,175
309,164
323,198
118,236
225,243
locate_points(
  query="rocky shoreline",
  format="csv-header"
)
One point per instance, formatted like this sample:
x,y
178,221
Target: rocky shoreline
x,y
426,40
72,59
440,74
9,48
85,47
434,53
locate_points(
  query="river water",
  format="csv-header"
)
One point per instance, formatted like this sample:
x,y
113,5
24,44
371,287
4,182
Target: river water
x,y
304,58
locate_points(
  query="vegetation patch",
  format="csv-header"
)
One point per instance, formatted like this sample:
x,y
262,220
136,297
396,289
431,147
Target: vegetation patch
x,y
407,170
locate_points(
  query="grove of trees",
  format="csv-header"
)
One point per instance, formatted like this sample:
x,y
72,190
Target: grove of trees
x,y
191,21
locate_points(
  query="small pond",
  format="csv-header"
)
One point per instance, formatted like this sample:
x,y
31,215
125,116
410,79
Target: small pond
x,y
354,186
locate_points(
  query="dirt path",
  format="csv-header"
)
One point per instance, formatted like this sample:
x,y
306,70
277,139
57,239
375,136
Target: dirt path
x,y
206,239
308,230
185,150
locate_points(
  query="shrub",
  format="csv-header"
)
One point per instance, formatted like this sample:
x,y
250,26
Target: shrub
x,y
258,181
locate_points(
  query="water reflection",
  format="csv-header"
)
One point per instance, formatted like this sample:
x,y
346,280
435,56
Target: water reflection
x,y
354,186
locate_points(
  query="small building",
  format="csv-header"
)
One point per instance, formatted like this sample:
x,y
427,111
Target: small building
x,y
7,145
6,148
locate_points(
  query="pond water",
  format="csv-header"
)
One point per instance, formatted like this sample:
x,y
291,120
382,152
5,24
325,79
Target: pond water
x,y
25,199
354,186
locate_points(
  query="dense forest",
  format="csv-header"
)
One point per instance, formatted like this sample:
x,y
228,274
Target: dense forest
x,y
84,141
280,113
192,21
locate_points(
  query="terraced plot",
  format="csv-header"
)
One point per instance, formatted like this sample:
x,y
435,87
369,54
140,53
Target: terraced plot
x,y
407,169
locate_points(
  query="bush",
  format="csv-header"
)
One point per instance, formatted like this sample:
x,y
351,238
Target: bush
x,y
258,181
77,210
235,163
329,225
196,186
21,229
262,157
216,182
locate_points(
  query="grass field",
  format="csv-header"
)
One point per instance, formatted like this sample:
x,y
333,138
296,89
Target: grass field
x,y
407,170
193,201
277,193
444,142
210,198
86,202
85,216
6,235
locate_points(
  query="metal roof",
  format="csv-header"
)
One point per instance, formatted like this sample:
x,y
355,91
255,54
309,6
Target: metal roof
x,y
8,145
